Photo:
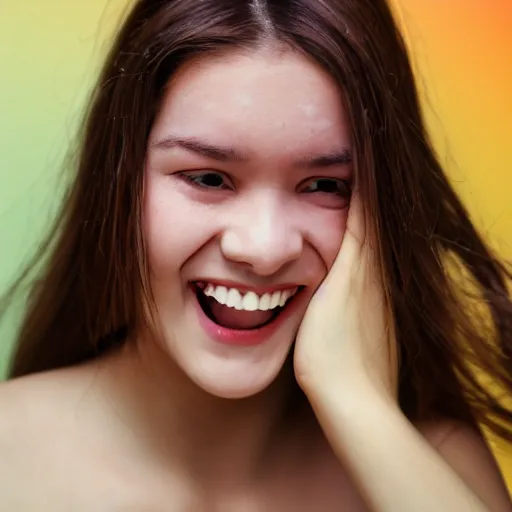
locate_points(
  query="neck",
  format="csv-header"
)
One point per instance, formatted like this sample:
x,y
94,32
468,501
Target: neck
x,y
206,438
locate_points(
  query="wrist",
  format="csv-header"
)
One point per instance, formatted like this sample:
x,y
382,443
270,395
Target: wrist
x,y
354,400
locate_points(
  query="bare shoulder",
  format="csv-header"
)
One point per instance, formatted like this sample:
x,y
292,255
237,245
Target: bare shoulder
x,y
446,435
468,453
28,399
29,404
36,430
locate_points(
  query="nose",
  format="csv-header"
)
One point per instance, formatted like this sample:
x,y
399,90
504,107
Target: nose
x,y
262,235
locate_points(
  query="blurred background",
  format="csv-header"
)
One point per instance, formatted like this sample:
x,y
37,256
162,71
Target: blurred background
x,y
50,53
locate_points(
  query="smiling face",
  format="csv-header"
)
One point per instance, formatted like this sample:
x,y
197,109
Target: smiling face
x,y
247,189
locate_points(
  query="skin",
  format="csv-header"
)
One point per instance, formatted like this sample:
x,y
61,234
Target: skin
x,y
173,420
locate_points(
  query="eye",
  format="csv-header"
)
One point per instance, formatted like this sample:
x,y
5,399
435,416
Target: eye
x,y
207,179
332,186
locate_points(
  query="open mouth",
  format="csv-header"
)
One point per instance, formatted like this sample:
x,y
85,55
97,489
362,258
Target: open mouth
x,y
232,309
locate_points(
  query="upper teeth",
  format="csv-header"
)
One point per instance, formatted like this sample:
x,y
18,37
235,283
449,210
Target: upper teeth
x,y
233,298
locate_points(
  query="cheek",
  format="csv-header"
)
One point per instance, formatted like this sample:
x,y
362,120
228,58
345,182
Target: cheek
x,y
324,230
173,228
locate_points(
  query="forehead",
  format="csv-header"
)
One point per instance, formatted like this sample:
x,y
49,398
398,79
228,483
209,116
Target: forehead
x,y
261,101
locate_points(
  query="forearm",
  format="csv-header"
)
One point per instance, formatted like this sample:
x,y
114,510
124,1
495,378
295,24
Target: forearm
x,y
392,464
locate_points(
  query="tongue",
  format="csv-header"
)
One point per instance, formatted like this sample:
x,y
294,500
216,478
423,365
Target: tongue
x,y
234,319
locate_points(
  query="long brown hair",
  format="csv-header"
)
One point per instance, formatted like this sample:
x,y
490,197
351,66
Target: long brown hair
x,y
447,290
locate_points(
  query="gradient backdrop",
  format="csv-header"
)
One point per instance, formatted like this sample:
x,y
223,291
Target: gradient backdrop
x,y
50,51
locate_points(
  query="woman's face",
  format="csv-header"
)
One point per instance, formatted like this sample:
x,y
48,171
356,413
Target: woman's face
x,y
247,190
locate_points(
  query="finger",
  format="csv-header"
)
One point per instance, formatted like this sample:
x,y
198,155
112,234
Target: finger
x,y
361,230
356,221
349,257
349,254
359,255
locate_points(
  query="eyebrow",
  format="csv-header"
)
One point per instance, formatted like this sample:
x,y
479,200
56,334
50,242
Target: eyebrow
x,y
342,156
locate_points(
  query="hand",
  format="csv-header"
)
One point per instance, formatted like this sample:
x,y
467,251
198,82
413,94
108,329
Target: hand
x,y
346,340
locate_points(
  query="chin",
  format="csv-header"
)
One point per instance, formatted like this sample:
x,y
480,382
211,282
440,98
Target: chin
x,y
244,391
237,379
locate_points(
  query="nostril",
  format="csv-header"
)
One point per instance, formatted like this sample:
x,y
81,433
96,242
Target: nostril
x,y
265,252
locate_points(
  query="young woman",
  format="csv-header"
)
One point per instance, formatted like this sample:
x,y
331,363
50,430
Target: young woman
x,y
262,293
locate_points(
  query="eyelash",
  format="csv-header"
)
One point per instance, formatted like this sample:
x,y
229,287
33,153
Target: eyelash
x,y
194,180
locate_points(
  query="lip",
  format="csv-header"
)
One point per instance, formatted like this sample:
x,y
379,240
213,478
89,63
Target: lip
x,y
258,290
244,337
